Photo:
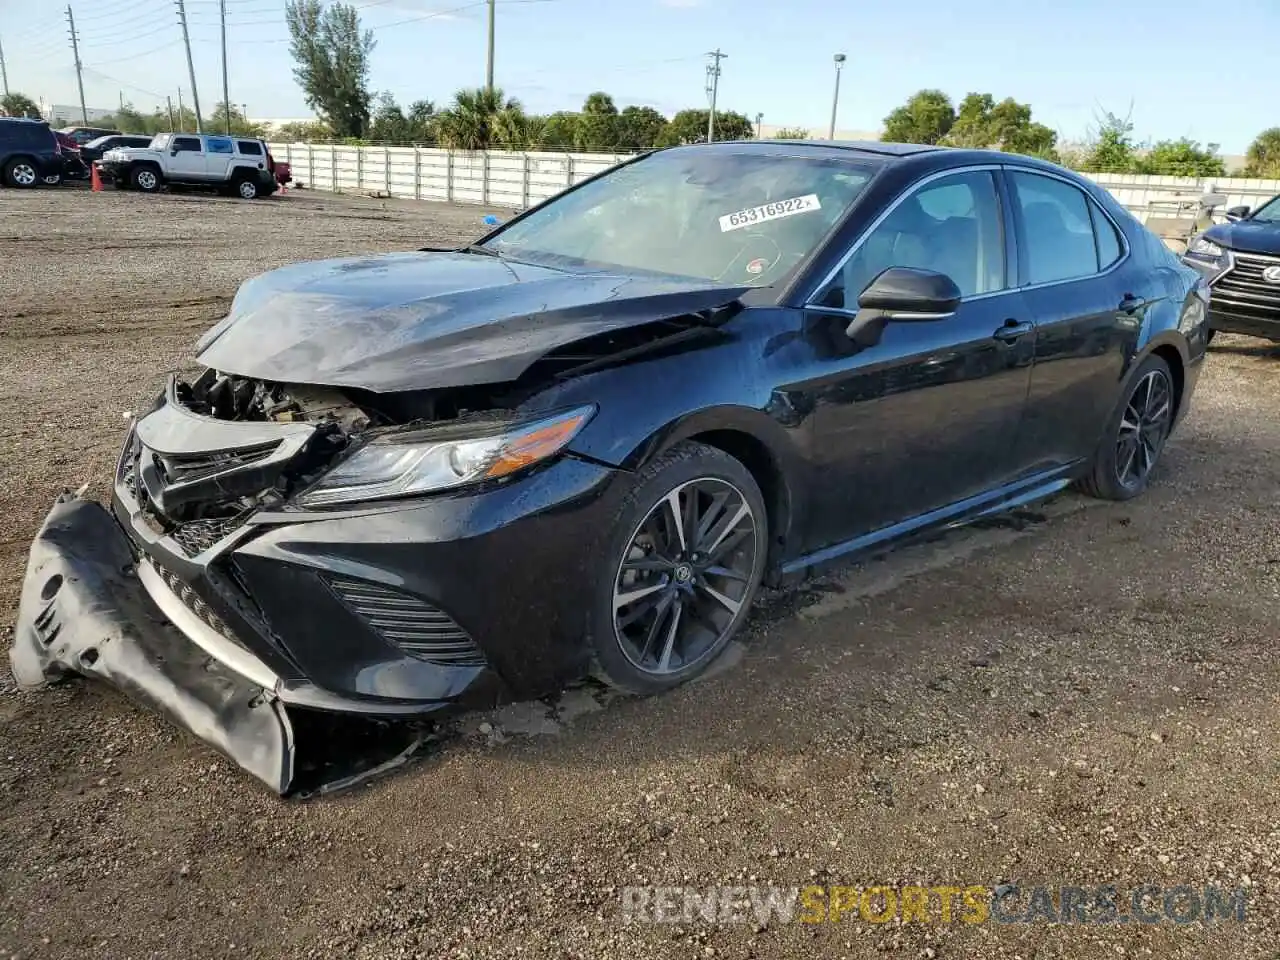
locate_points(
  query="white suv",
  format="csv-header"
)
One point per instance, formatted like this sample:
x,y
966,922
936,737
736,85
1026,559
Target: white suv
x,y
237,165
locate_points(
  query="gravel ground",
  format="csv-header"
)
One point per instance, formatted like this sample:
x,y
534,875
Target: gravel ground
x,y
1082,694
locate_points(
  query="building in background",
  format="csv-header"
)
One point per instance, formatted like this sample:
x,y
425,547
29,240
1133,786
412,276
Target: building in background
x,y
61,115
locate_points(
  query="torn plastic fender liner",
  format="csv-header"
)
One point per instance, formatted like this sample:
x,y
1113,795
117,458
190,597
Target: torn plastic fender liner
x,y
83,610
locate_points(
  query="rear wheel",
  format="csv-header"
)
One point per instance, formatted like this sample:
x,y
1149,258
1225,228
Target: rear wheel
x,y
1135,436
684,562
246,189
146,179
21,172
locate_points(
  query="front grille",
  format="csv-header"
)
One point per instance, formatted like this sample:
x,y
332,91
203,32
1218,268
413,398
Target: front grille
x,y
408,622
193,602
197,536
185,468
1241,290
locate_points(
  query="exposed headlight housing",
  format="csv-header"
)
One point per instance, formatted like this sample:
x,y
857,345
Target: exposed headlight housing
x,y
394,468
1202,246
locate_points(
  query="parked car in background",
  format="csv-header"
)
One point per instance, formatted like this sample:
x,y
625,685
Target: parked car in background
x,y
234,165
73,165
414,482
94,149
30,154
82,135
1241,259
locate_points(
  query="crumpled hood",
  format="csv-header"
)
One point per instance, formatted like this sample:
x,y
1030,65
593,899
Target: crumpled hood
x,y
412,321
1248,236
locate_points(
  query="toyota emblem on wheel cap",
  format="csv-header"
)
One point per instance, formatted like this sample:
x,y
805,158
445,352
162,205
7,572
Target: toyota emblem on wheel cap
x,y
1272,274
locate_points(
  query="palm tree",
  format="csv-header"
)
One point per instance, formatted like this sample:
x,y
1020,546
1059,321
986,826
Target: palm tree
x,y
479,119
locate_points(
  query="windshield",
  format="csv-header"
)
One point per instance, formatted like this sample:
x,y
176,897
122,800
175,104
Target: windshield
x,y
1269,212
730,217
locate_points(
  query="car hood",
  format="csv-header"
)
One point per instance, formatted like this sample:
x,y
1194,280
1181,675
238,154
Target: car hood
x,y
1249,236
413,321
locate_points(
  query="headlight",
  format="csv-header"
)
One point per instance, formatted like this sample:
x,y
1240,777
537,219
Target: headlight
x,y
394,468
1201,246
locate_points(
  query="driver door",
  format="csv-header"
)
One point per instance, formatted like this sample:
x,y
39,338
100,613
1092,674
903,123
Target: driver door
x,y
923,413
186,159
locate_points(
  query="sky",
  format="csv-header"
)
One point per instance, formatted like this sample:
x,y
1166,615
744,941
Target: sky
x,y
1164,63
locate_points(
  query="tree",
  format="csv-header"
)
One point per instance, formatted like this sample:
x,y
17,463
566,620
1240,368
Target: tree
x,y
18,105
303,132
1181,158
690,126
560,130
469,123
597,127
240,125
926,118
1112,149
639,128
981,123
332,57
1263,158
791,133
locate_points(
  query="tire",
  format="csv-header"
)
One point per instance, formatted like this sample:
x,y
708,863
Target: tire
x,y
686,605
1148,401
146,178
21,172
246,189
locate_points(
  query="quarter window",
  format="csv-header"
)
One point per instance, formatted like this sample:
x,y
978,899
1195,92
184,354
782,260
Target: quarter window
x,y
250,148
186,144
951,226
1058,225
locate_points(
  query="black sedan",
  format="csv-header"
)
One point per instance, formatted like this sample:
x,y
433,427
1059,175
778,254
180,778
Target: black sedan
x,y
429,480
1241,260
94,149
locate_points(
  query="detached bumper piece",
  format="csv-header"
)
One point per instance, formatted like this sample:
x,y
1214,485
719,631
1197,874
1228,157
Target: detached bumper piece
x,y
85,611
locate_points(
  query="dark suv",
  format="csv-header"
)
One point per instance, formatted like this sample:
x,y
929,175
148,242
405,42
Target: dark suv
x,y
1241,259
29,152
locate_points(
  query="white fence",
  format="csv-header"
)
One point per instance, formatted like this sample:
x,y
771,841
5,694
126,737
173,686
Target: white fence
x,y
491,177
502,179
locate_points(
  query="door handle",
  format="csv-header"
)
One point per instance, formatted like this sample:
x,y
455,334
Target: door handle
x,y
1012,330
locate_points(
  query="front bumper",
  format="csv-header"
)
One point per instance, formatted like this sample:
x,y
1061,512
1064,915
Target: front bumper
x,y
286,614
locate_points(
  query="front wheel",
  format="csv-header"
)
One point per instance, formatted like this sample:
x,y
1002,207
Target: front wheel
x,y
1135,436
683,564
146,179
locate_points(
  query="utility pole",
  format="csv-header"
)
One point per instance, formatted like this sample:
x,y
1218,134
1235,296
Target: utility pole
x,y
759,125
182,114
835,98
4,73
121,93
169,103
489,63
191,67
226,96
713,89
75,50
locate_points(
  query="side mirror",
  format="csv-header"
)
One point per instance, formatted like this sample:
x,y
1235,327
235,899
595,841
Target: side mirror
x,y
1237,213
908,295
173,152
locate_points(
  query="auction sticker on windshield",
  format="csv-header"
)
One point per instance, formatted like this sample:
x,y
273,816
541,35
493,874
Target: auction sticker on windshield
x,y
769,211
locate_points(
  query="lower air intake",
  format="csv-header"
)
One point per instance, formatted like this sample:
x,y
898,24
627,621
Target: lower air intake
x,y
408,622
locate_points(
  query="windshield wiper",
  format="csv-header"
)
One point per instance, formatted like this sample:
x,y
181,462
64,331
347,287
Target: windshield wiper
x,y
482,251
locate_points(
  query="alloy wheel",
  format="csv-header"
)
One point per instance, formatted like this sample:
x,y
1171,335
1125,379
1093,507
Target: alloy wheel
x,y
1144,428
24,175
147,180
684,575
248,190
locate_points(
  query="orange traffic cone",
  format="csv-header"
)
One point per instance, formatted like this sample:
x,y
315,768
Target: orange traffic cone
x,y
95,181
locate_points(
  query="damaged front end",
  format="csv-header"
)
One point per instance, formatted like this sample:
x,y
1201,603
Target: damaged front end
x,y
151,598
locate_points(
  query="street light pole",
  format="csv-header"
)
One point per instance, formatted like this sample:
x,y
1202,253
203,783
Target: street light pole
x,y
835,99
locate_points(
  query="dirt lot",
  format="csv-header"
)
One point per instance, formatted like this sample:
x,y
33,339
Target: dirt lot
x,y
1086,695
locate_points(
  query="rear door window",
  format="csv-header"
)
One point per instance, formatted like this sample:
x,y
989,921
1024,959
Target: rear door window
x,y
220,145
1057,229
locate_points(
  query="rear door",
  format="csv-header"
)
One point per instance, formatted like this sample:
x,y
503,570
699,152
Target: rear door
x,y
186,159
220,152
1069,254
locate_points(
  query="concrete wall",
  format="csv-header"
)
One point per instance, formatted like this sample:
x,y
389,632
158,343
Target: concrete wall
x,y
503,179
